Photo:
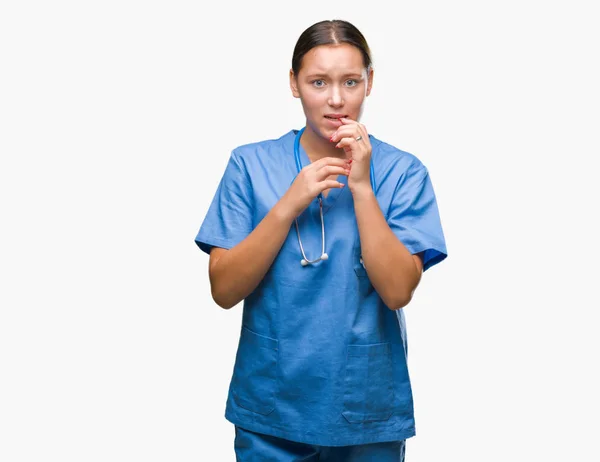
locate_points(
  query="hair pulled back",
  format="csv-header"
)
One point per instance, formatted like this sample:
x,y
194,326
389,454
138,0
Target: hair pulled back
x,y
330,32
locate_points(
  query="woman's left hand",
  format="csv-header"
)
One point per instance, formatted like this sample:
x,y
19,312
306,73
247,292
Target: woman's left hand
x,y
353,138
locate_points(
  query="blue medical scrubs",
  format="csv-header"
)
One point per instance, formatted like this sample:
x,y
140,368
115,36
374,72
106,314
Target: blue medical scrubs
x,y
321,360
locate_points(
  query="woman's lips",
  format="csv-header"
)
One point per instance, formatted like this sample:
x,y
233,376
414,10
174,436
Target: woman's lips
x,y
334,119
334,122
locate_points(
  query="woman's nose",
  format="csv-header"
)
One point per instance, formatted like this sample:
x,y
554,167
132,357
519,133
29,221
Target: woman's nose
x,y
335,97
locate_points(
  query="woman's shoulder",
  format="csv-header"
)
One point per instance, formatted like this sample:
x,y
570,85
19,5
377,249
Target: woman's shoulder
x,y
388,155
265,146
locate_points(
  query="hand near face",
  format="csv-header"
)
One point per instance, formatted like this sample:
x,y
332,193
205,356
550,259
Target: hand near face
x,y
312,180
353,138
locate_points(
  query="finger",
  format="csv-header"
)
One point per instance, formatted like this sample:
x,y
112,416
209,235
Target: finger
x,y
347,142
336,161
342,132
352,131
328,184
331,170
362,129
349,125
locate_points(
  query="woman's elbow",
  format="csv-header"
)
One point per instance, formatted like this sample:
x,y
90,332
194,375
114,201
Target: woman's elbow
x,y
398,303
398,300
224,300
401,296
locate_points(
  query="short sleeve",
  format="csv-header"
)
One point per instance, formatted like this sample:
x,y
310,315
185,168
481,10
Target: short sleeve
x,y
229,217
414,217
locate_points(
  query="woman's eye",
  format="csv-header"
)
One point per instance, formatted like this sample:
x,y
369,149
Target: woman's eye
x,y
351,83
318,83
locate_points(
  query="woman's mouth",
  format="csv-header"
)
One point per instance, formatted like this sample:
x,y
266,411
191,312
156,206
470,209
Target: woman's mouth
x,y
334,119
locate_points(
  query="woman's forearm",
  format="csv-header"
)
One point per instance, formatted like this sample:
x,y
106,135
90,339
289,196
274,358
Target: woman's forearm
x,y
240,269
391,267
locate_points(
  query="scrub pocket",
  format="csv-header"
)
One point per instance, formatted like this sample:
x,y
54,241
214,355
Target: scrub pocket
x,y
359,268
254,376
357,262
369,391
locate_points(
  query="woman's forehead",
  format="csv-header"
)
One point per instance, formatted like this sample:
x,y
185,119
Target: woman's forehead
x,y
324,59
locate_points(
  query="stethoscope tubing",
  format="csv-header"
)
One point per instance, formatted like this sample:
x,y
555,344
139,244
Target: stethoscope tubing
x,y
299,162
305,261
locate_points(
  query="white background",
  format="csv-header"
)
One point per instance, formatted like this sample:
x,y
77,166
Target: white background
x,y
116,122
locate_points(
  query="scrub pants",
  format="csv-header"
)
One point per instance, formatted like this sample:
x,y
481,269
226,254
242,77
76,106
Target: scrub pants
x,y
256,447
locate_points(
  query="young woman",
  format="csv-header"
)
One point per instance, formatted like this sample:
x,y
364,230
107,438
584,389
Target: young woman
x,y
323,233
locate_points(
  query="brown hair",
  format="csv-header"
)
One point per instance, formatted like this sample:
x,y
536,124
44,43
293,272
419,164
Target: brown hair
x,y
330,32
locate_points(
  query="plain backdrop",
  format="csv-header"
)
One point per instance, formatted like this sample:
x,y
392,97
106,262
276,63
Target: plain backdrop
x,y
116,122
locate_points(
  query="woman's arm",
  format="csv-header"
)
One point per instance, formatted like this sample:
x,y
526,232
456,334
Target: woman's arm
x,y
236,272
393,270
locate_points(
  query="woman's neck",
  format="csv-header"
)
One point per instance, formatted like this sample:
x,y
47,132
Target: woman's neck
x,y
316,147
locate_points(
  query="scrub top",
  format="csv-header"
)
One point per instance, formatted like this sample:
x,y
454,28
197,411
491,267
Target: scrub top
x,y
321,360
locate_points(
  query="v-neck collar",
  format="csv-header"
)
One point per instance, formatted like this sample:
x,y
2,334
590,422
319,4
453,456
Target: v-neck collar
x,y
330,199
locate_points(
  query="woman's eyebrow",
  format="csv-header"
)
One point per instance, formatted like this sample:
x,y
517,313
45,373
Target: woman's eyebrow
x,y
345,76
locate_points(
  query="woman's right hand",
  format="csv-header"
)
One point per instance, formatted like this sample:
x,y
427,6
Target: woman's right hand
x,y
312,180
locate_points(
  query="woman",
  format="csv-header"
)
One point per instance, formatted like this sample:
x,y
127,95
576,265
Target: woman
x,y
320,371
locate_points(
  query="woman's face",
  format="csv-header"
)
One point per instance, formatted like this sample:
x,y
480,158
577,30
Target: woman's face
x,y
332,83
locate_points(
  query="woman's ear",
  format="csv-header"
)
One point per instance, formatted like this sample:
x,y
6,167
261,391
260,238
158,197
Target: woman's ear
x,y
369,81
294,84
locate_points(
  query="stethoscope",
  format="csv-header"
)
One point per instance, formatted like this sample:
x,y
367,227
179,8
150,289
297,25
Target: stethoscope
x,y
305,261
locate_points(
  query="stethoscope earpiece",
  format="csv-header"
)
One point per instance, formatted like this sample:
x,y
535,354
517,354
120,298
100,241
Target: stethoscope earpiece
x,y
305,262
